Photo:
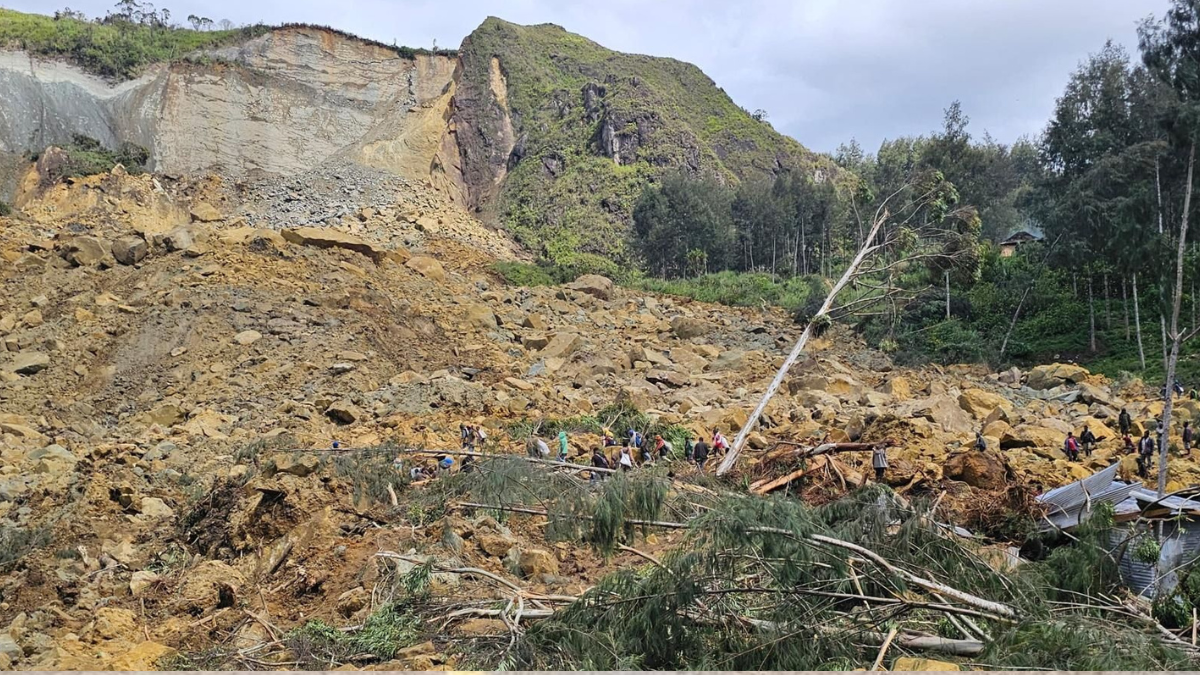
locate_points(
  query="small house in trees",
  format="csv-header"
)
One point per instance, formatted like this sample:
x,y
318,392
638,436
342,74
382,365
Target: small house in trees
x,y
1015,240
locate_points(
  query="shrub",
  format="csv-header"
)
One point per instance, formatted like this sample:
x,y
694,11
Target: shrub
x,y
5,209
17,542
523,274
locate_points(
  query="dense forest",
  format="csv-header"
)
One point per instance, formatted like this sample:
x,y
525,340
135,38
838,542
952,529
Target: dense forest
x,y
1103,191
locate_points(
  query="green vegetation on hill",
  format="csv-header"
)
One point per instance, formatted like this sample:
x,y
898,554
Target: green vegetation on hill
x,y
123,43
116,49
569,195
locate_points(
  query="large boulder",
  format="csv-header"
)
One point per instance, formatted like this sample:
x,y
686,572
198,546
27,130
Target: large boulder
x,y
210,585
343,412
594,285
324,237
203,212
1055,375
28,363
942,410
178,239
983,470
537,561
1031,436
686,328
130,250
85,251
427,267
561,346
898,387
480,316
980,403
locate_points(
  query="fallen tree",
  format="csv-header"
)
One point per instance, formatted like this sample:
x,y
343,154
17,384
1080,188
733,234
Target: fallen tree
x,y
769,583
927,228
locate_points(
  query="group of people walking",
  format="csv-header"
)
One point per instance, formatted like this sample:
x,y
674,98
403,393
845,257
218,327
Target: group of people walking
x,y
1145,447
633,450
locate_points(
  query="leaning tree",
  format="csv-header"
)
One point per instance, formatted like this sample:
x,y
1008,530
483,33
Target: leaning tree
x,y
921,223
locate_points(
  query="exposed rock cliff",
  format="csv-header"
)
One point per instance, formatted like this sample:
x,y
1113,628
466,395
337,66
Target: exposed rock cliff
x,y
281,103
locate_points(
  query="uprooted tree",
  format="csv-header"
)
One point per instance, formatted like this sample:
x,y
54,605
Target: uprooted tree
x,y
769,583
919,225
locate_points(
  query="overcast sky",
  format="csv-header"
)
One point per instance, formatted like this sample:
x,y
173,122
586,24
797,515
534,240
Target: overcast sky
x,y
824,70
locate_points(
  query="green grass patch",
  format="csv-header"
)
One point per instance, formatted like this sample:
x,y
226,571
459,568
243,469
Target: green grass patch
x,y
739,289
118,50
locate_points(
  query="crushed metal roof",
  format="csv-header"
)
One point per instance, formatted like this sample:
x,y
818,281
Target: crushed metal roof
x,y
1069,505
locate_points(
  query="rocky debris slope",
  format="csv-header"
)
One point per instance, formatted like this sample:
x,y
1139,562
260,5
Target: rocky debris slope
x,y
157,378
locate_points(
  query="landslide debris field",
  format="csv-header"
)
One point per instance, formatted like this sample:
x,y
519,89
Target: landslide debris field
x,y
170,495
227,373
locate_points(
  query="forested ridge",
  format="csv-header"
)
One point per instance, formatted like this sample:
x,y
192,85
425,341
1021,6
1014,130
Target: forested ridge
x,y
1101,189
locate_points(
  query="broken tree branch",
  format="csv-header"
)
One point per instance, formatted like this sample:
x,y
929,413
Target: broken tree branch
x,y
989,606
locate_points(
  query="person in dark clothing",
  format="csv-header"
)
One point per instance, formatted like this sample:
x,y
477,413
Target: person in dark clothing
x,y
1124,421
689,449
1145,454
980,442
700,453
468,464
1088,440
1187,437
599,461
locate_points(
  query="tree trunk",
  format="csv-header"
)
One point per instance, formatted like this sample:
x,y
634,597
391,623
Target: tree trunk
x,y
1176,336
1137,324
803,250
851,269
1091,318
1125,305
947,295
1162,325
1075,284
1158,190
1107,305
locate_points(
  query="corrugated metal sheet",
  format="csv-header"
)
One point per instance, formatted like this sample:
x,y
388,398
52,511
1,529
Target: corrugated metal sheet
x,y
1067,504
1180,544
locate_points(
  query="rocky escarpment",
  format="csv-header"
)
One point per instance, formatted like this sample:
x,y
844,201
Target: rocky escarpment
x,y
558,135
278,104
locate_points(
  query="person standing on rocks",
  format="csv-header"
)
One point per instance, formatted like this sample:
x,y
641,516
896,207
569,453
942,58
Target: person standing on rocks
x,y
1124,422
1088,439
700,453
689,448
563,446
719,444
980,442
1187,438
1145,454
662,447
879,461
465,435
625,460
480,436
599,461
1071,447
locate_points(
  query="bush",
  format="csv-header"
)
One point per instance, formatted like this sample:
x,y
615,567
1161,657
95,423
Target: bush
x,y
742,289
5,209
17,542
523,274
